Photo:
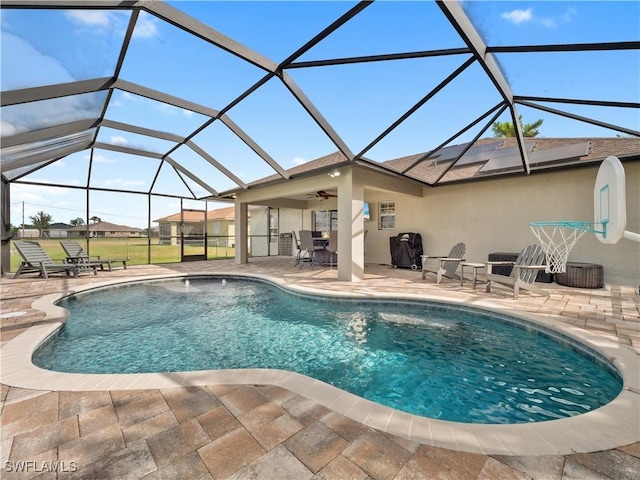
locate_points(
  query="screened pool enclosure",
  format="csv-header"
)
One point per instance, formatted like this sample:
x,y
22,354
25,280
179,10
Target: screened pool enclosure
x,y
129,111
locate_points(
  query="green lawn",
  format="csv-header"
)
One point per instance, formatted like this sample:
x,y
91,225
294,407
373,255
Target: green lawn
x,y
135,250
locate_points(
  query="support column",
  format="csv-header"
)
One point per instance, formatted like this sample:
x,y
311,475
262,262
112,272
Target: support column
x,y
5,226
242,231
350,228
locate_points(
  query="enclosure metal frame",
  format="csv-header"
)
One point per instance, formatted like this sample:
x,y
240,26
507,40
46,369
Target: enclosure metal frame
x,y
476,51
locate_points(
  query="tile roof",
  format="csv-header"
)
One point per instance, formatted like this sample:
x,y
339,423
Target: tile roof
x,y
104,227
430,170
226,213
332,159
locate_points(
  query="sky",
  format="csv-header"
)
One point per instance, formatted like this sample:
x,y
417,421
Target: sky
x,y
45,47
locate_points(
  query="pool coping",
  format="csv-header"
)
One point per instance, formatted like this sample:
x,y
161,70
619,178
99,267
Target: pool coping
x,y
611,426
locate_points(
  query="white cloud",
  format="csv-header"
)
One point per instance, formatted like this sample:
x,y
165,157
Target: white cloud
x,y
119,140
62,203
172,110
101,18
569,14
299,161
130,97
122,182
145,27
35,115
166,108
35,193
518,16
101,159
104,21
7,129
27,63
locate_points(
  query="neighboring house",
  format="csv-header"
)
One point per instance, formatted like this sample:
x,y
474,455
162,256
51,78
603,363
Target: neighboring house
x,y
220,226
472,193
56,230
27,233
104,230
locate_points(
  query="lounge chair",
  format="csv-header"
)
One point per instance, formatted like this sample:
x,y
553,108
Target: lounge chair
x,y
524,272
35,259
446,266
76,254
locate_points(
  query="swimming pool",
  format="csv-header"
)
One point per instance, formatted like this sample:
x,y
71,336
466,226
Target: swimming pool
x,y
429,359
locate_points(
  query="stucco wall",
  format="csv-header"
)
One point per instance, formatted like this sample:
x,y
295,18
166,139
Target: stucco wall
x,y
493,216
409,218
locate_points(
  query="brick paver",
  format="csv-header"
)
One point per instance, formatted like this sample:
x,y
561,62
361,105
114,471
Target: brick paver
x,y
268,432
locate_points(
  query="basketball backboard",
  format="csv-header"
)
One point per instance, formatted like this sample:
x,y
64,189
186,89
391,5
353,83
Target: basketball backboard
x,y
609,201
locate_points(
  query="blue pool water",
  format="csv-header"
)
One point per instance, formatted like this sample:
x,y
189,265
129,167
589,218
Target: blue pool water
x,y
423,358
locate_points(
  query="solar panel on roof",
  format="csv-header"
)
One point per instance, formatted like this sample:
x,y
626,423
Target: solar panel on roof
x,y
481,153
506,158
448,153
560,153
510,158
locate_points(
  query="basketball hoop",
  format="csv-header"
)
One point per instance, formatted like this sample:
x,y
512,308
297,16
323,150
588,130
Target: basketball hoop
x,y
557,239
609,219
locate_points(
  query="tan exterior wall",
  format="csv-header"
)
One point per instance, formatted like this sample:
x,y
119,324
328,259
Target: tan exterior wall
x,y
105,234
28,233
226,235
494,215
489,216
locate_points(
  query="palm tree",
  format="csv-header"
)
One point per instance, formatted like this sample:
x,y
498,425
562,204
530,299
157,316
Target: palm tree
x,y
506,129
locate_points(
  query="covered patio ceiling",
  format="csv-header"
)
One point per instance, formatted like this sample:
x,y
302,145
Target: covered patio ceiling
x,y
199,99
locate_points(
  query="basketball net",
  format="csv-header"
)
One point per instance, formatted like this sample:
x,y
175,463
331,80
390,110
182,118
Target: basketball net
x,y
557,239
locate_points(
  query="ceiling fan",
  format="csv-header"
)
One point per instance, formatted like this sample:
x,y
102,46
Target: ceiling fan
x,y
322,195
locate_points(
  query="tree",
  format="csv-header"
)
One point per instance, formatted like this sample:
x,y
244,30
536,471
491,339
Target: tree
x,y
506,129
76,222
95,219
41,221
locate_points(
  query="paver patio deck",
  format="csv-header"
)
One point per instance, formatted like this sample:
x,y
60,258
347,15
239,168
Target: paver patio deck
x,y
266,431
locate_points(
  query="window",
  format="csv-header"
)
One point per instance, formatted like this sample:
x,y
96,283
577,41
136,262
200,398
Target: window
x,y
387,215
325,220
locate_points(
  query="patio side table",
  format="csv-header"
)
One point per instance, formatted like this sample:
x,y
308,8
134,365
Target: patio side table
x,y
581,275
475,267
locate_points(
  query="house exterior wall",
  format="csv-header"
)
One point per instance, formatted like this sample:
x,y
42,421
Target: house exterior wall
x,y
55,234
489,216
219,232
494,216
112,234
291,221
28,233
409,210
